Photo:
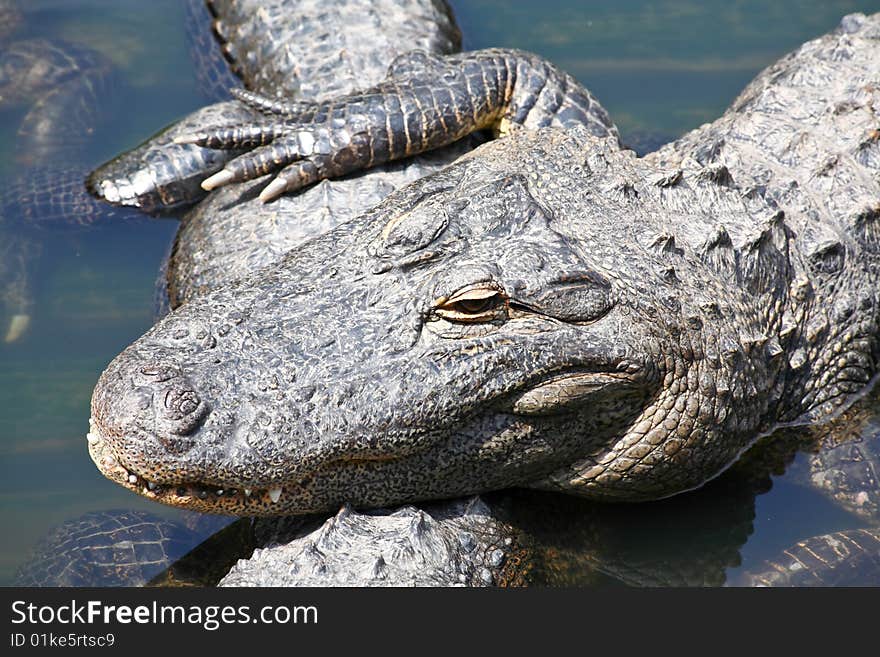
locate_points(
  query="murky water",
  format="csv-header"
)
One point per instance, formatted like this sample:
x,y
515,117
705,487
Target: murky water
x,y
659,67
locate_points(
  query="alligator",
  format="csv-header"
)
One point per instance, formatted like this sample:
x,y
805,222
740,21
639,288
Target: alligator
x,y
489,565
550,310
108,548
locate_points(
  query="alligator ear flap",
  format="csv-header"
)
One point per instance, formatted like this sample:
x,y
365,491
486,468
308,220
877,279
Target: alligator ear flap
x,y
573,297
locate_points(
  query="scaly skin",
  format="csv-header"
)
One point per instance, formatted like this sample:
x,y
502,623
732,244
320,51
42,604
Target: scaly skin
x,y
277,47
460,544
549,310
105,548
231,234
846,558
318,50
546,539
337,47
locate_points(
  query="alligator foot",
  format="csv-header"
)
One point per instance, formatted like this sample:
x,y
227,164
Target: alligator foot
x,y
427,102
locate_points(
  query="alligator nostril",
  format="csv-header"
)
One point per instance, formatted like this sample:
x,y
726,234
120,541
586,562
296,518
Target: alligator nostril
x,y
179,403
182,409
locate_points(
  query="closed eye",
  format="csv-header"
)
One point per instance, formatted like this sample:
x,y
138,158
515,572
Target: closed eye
x,y
482,303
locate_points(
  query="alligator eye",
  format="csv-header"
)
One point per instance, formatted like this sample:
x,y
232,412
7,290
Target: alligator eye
x,y
482,303
476,306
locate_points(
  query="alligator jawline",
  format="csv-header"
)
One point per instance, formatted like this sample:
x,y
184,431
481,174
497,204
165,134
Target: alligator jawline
x,y
192,495
257,500
207,498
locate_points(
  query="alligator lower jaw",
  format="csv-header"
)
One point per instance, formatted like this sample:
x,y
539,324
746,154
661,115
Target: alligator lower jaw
x,y
192,496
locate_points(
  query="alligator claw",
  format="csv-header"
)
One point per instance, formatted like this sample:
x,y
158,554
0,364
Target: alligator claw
x,y
291,178
299,153
217,180
189,139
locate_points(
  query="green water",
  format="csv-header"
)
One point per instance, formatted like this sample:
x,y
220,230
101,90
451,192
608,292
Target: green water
x,y
662,67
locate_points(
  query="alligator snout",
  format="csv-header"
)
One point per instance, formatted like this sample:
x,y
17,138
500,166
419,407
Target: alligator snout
x,y
153,400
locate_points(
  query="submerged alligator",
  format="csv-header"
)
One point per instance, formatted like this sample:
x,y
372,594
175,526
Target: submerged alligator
x,y
739,359
65,91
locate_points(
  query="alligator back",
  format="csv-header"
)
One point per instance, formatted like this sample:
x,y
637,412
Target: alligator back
x,y
807,138
315,49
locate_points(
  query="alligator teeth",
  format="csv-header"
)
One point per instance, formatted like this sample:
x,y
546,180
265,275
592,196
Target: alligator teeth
x,y
275,493
247,492
93,438
151,485
132,479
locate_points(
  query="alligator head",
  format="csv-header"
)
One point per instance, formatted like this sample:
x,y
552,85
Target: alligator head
x,y
512,320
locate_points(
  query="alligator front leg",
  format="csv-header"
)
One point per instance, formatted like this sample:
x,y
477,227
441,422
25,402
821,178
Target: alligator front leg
x,y
425,103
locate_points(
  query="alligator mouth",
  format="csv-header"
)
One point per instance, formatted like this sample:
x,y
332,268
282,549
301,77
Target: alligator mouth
x,y
196,496
206,498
